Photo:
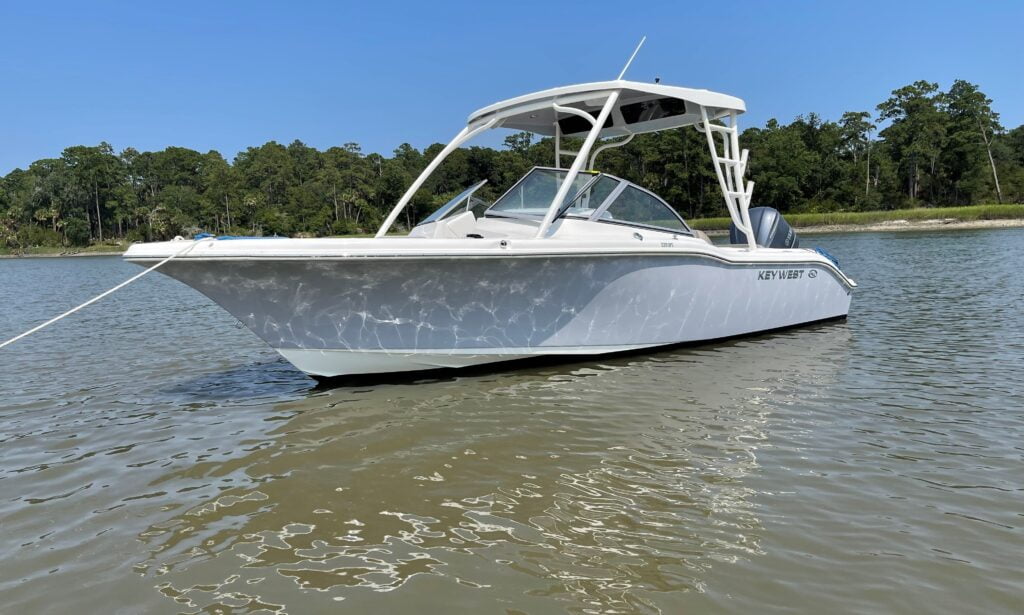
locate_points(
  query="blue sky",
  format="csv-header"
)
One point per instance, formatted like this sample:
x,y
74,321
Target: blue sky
x,y
227,75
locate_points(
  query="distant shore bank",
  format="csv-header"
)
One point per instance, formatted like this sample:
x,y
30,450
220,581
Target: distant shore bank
x,y
60,253
947,224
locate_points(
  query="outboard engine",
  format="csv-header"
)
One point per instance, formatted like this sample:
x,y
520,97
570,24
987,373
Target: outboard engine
x,y
770,230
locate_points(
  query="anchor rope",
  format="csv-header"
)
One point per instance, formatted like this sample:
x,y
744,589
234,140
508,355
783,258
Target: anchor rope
x,y
104,294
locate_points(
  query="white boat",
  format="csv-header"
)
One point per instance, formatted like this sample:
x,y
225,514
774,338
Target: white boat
x,y
567,262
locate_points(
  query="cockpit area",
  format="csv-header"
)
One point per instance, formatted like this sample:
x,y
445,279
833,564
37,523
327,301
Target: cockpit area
x,y
594,197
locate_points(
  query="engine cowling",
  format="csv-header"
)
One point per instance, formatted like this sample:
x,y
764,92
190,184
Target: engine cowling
x,y
770,230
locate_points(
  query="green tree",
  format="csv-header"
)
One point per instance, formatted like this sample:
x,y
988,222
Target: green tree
x,y
519,142
269,169
856,141
780,165
94,173
973,127
916,133
221,188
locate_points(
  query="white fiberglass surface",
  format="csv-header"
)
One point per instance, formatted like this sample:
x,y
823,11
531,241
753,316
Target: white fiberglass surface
x,y
642,107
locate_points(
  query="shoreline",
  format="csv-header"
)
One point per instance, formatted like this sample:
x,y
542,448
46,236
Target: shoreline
x,y
61,255
948,224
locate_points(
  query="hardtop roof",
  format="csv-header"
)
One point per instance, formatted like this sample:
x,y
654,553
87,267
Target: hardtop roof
x,y
642,107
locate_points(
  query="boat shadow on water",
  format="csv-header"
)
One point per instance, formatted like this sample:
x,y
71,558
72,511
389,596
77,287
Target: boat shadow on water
x,y
548,361
279,380
263,380
276,381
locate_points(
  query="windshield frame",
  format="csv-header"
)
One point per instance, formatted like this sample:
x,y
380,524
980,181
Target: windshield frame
x,y
614,197
564,209
624,185
441,212
540,215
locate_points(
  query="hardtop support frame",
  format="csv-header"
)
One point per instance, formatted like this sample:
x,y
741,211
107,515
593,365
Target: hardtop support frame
x,y
730,165
730,168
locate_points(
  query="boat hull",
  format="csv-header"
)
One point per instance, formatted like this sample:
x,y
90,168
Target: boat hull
x,y
350,316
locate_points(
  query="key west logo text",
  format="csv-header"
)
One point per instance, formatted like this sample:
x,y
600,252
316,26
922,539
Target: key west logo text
x,y
780,274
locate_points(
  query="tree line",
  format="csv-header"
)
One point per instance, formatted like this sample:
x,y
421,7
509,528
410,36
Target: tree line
x,y
936,148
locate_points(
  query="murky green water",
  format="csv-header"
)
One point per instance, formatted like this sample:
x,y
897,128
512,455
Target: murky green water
x,y
155,457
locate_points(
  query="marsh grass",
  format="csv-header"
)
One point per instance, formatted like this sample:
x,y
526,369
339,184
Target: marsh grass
x,y
99,248
961,214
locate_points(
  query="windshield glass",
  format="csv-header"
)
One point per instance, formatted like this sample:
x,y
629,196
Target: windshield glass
x,y
452,207
591,198
634,206
534,192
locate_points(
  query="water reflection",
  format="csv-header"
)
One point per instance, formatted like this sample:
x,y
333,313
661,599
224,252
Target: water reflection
x,y
156,456
538,487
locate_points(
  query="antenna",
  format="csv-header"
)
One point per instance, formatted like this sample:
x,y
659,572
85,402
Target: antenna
x,y
630,60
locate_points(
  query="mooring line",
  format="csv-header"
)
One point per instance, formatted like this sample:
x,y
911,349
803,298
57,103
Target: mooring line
x,y
104,294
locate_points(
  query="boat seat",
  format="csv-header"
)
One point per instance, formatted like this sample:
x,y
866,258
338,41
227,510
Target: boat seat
x,y
461,225
455,227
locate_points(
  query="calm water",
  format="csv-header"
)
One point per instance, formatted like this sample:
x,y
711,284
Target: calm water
x,y
156,457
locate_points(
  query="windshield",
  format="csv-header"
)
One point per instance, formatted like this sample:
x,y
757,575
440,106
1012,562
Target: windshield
x,y
534,192
452,207
634,206
591,198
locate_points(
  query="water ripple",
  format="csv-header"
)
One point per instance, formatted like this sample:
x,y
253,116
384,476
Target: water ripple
x,y
158,457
